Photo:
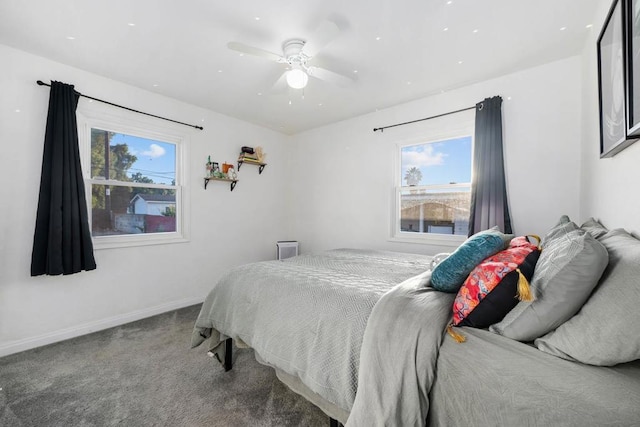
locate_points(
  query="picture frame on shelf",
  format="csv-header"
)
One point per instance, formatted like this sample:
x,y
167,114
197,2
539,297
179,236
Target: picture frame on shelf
x,y
633,67
611,82
215,167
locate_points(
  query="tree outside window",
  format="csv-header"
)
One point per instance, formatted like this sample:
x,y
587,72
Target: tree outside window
x,y
133,184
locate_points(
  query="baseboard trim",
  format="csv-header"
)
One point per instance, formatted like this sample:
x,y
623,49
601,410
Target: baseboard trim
x,y
13,347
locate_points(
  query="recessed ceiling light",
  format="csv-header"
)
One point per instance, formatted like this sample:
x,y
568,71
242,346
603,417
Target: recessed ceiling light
x,y
355,71
70,38
460,62
445,29
588,25
563,28
155,85
257,18
449,2
17,110
202,120
131,24
475,31
320,104
408,83
259,93
219,71
508,98
378,38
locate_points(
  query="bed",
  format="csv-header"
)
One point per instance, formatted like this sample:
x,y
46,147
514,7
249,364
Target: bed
x,y
361,334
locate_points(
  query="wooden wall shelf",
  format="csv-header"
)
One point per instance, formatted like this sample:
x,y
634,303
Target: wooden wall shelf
x,y
232,181
260,165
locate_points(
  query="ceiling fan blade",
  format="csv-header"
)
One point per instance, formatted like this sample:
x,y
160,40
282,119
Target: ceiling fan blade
x,y
326,32
250,50
330,76
280,85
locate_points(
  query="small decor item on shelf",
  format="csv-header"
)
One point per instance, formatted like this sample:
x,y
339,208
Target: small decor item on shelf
x,y
260,154
216,167
225,167
209,167
248,157
231,173
248,150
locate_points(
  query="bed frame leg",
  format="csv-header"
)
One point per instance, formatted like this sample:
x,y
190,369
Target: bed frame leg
x,y
228,353
334,423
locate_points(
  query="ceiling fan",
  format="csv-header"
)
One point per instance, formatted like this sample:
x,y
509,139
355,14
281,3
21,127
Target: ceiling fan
x,y
297,54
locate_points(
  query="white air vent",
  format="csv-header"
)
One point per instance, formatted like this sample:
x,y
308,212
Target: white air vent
x,y
286,249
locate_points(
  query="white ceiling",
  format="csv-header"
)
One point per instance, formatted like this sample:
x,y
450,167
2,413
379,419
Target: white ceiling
x,y
399,48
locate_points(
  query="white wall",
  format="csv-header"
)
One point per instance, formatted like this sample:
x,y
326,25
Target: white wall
x,y
227,228
344,171
609,186
340,193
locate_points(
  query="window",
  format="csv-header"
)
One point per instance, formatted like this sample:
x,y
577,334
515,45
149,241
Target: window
x,y
433,189
134,184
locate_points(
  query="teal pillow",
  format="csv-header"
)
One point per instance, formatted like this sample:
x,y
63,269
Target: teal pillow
x,y
449,275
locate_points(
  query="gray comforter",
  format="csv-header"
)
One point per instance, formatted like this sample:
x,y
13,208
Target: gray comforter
x,y
307,316
491,380
346,320
399,353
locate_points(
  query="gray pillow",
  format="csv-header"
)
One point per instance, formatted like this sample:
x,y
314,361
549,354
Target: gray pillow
x,y
568,269
593,227
604,332
563,226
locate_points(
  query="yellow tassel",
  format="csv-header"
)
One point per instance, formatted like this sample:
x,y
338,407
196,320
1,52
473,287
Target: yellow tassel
x,y
524,290
455,335
535,236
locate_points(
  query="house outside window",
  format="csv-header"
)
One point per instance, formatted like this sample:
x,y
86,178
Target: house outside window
x,y
433,188
134,179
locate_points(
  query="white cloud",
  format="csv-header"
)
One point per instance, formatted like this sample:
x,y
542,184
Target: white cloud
x,y
426,157
154,151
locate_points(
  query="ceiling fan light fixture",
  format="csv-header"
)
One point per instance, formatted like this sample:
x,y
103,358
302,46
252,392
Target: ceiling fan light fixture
x,y
297,78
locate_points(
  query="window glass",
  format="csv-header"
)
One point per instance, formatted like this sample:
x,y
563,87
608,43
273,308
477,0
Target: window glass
x,y
132,158
435,190
133,184
435,163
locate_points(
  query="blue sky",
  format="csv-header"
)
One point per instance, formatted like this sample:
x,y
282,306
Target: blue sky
x,y
156,159
440,162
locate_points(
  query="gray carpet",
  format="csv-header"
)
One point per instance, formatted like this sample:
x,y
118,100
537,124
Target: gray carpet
x,y
145,374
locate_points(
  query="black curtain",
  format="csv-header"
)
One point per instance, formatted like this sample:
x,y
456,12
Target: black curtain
x,y
489,205
62,241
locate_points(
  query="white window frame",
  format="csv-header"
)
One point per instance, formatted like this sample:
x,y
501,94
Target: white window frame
x,y
150,129
439,131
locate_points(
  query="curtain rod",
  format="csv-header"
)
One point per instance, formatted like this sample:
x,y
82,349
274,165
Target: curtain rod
x,y
381,129
41,83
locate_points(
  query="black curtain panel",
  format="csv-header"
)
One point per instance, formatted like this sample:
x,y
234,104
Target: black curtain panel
x,y
489,205
62,241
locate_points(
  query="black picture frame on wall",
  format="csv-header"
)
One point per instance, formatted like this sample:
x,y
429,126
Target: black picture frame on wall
x,y
611,82
633,67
